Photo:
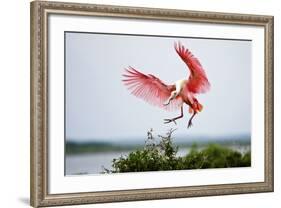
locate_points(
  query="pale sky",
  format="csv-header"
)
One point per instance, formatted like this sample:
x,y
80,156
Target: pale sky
x,y
99,106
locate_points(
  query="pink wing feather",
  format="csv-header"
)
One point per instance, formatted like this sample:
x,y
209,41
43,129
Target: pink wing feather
x,y
150,88
197,81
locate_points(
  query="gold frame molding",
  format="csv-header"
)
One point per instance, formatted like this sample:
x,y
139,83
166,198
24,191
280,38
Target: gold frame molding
x,y
39,103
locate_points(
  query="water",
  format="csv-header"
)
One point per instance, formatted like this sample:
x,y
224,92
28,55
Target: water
x,y
93,163
90,163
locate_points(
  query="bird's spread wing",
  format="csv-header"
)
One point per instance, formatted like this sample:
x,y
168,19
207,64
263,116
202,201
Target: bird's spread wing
x,y
150,88
197,81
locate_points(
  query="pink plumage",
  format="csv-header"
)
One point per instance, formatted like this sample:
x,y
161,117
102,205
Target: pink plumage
x,y
154,91
150,88
197,81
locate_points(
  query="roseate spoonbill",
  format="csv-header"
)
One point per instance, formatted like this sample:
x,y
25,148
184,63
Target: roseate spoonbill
x,y
173,96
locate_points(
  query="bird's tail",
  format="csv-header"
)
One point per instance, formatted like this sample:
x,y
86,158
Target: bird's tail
x,y
197,107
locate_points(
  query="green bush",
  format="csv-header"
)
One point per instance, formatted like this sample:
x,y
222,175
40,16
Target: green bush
x,y
215,156
162,155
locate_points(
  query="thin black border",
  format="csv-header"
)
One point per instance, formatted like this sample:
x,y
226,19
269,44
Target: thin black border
x,y
161,36
119,34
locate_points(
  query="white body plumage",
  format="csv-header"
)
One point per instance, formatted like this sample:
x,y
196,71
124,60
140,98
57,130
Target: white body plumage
x,y
179,86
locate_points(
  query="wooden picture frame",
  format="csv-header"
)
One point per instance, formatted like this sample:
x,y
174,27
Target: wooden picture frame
x,y
40,11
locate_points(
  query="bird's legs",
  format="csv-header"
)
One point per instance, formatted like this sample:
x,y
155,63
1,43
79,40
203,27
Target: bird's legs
x,y
190,120
166,121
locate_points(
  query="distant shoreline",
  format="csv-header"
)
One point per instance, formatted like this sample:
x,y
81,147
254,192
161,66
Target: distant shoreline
x,y
73,147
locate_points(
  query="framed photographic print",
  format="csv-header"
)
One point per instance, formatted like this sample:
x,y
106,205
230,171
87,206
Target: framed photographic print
x,y
143,103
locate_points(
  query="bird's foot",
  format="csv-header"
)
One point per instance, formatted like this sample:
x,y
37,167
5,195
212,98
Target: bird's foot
x,y
189,124
166,121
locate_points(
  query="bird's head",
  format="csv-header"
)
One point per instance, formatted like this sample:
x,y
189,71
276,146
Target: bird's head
x,y
174,93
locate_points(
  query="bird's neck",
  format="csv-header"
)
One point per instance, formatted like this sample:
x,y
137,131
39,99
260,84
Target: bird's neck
x,y
179,85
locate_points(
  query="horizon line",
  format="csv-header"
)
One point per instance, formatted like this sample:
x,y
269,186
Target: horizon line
x,y
199,137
